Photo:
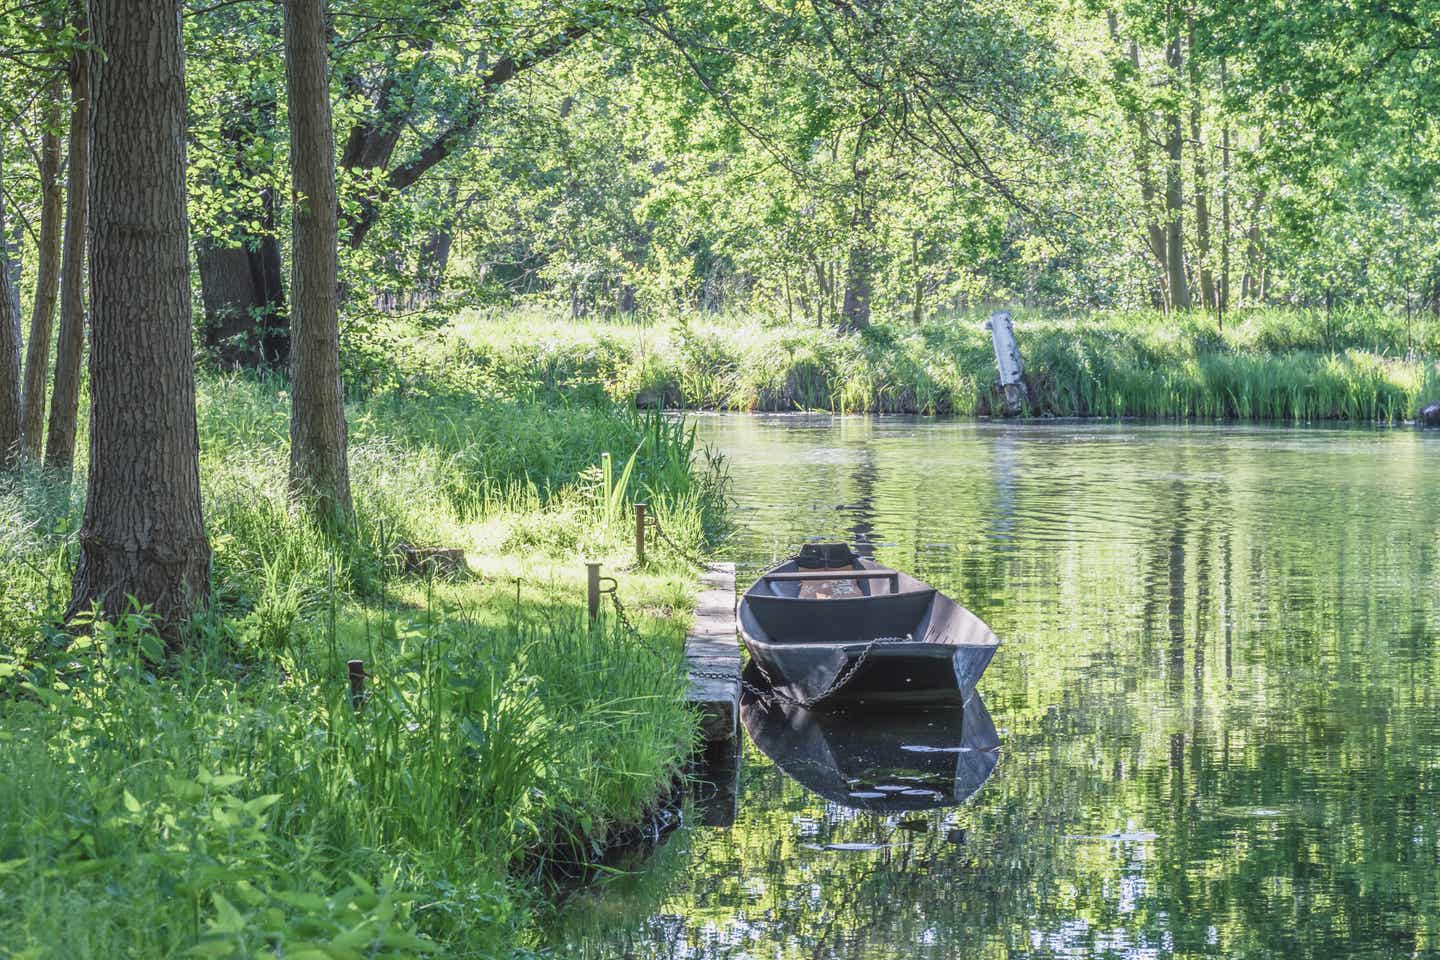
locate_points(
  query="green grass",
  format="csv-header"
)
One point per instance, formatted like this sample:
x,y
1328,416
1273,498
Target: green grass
x,y
1263,365
228,801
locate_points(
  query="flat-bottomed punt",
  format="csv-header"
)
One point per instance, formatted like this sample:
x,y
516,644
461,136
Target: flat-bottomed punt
x,y
832,630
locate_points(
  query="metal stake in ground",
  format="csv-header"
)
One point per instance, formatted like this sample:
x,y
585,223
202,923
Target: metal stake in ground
x,y
356,670
594,587
640,534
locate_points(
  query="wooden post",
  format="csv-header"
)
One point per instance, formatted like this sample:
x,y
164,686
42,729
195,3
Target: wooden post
x,y
592,589
640,534
1008,362
357,684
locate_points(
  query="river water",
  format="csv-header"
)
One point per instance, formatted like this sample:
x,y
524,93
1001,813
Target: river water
x,y
1215,702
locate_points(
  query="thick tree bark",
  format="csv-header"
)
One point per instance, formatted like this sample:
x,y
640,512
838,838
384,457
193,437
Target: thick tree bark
x,y
9,356
143,535
1174,188
47,278
319,471
241,286
70,344
241,283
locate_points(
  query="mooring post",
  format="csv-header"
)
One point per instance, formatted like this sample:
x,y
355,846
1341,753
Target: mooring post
x,y
1008,362
640,534
592,589
357,684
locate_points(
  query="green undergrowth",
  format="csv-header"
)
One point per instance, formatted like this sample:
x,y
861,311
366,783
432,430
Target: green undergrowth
x,y
1264,364
228,800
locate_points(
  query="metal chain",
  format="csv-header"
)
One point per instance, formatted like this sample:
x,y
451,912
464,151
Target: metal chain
x,y
836,685
624,618
685,555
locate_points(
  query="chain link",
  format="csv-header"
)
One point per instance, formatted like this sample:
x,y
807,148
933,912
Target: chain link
x,y
841,679
654,523
623,617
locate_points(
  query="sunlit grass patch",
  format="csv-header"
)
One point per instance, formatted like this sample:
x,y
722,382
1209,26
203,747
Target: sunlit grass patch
x,y
1262,364
232,800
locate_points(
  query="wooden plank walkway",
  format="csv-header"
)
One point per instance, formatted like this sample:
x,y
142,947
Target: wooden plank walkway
x,y
712,648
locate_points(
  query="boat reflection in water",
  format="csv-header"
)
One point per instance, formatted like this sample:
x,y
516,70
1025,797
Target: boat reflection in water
x,y
916,760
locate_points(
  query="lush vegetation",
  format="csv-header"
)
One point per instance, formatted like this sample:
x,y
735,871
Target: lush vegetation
x,y
229,801
317,252
1265,365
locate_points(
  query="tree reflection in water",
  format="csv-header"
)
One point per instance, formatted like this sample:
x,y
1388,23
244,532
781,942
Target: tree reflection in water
x,y
1217,697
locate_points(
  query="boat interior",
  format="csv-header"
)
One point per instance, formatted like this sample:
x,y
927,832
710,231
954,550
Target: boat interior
x,y
859,599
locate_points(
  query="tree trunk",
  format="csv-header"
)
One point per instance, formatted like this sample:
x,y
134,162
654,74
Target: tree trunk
x,y
319,472
1251,282
435,250
823,290
917,308
243,292
1202,179
47,278
859,270
1154,228
9,355
1174,187
70,344
1223,294
143,537
12,265
434,260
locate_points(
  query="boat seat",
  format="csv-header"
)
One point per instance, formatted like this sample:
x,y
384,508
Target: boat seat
x,y
841,619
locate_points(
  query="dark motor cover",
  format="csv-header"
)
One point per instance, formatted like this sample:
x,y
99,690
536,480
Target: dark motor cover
x,y
826,556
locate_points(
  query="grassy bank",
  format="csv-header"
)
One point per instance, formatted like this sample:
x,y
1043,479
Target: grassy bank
x,y
229,801
1263,365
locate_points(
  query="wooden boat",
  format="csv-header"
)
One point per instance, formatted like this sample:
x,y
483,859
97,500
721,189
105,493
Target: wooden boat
x,y
829,629
918,760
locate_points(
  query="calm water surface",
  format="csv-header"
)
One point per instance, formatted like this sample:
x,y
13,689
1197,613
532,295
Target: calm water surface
x,y
1216,702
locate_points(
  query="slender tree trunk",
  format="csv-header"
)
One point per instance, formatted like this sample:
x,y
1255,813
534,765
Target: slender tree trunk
x,y
47,278
1224,291
823,290
917,309
70,344
1154,225
319,471
832,284
1174,183
1202,182
9,355
435,250
11,263
1252,282
144,536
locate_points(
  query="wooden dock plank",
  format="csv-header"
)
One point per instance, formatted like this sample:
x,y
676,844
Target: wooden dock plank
x,y
713,655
